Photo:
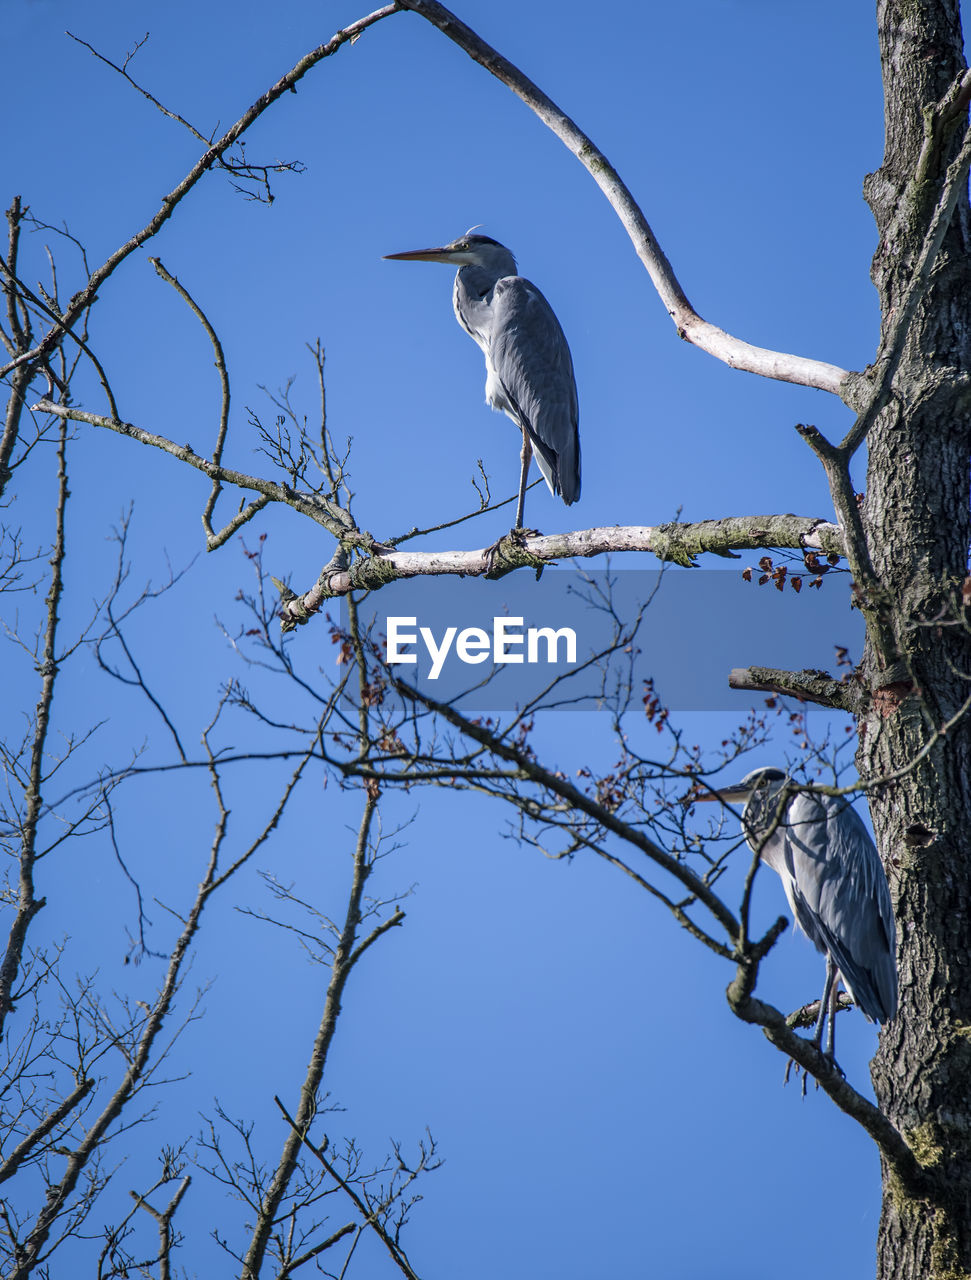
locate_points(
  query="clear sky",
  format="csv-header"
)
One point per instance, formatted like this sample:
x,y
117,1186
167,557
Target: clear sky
x,y
600,1111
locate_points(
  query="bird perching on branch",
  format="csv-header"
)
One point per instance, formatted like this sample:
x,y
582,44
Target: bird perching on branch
x,y
529,370
835,883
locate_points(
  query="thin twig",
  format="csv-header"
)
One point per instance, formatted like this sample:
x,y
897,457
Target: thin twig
x,y
370,1216
83,299
220,360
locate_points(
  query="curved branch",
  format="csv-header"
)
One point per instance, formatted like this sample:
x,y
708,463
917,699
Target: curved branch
x,y
557,785
803,1052
709,337
220,362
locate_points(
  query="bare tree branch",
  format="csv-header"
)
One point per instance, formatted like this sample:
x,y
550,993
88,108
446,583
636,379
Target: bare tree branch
x,y
170,202
50,1122
679,543
345,957
164,1219
28,903
810,686
333,518
689,324
887,1137
371,1216
139,1058
220,360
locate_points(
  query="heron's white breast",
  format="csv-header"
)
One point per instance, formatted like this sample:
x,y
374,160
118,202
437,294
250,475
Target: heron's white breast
x,y
494,392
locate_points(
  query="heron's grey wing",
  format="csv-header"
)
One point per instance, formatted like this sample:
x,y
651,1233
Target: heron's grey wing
x,y
529,354
843,899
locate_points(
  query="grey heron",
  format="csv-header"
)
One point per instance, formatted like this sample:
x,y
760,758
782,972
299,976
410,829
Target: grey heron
x,y
529,370
835,884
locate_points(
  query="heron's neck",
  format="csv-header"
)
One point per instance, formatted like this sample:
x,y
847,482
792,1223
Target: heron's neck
x,y
478,280
761,810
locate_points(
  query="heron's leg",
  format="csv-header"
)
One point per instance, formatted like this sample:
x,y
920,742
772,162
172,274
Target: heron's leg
x,y
824,1005
831,1034
526,456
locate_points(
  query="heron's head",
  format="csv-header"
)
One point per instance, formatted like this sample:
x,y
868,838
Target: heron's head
x,y
467,251
765,782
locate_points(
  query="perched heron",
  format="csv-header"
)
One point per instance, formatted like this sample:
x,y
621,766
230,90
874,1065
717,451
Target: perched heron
x,y
529,371
835,884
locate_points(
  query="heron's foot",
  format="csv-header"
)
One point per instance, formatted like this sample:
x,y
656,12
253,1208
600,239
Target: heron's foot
x,y
510,553
834,1064
800,1071
804,1073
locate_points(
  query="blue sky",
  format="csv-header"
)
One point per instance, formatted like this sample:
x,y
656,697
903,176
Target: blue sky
x,y
600,1111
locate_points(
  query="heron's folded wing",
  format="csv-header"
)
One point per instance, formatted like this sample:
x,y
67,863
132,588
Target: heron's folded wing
x,y
842,893
530,355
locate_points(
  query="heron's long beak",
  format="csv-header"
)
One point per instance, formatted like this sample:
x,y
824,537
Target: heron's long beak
x,y
727,795
444,254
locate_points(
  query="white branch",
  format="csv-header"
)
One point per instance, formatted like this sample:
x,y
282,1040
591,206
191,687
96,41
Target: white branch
x,y
723,346
678,543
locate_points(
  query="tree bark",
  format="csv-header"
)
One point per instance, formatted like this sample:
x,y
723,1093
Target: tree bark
x,y
916,517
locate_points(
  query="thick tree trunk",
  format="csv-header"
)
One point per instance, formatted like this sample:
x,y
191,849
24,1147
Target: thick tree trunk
x,y
916,515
